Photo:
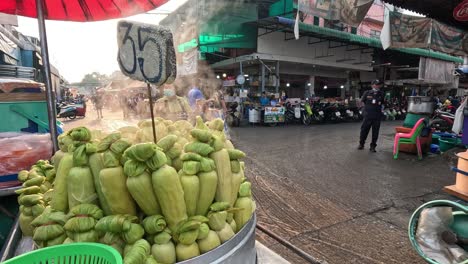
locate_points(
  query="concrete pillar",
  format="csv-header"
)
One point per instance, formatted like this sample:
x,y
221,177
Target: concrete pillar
x,y
312,85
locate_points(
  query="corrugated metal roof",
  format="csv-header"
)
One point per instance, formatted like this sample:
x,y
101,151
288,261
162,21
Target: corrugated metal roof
x,y
371,42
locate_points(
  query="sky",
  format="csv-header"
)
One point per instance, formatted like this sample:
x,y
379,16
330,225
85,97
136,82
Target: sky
x,y
76,49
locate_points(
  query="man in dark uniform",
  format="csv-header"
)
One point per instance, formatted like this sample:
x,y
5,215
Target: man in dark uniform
x,y
373,103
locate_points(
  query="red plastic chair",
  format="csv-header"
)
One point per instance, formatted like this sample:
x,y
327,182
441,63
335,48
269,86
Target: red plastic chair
x,y
412,137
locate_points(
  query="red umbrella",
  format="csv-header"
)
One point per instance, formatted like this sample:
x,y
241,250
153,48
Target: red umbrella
x,y
80,10
71,10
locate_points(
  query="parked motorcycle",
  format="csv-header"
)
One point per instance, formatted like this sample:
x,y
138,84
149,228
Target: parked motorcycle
x,y
399,113
332,113
318,115
233,116
390,114
357,113
348,114
442,121
306,113
293,113
71,111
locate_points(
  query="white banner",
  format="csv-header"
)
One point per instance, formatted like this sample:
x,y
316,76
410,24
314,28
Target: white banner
x,y
189,62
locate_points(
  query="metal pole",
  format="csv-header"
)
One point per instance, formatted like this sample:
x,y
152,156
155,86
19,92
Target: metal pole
x,y
51,112
151,111
277,76
263,77
306,256
241,73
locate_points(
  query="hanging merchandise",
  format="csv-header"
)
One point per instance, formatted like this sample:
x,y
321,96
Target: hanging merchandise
x,y
187,62
405,31
459,117
448,39
345,11
409,31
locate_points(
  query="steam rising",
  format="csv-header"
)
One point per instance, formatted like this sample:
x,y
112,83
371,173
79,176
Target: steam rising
x,y
186,24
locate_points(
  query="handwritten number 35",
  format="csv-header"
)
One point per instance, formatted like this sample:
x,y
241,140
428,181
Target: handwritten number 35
x,y
144,37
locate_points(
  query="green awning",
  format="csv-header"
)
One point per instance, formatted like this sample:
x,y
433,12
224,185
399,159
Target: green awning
x,y
361,40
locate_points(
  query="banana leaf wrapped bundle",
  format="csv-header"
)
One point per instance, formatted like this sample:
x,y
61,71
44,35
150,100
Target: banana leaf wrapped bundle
x,y
82,219
137,253
116,223
79,180
112,179
141,160
163,249
48,228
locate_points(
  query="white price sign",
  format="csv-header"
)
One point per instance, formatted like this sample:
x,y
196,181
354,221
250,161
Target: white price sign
x,y
146,52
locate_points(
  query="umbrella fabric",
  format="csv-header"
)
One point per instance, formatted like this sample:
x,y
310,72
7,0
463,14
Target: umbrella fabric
x,y
80,10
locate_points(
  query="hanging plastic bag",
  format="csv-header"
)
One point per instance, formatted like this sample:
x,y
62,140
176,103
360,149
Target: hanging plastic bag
x,y
432,222
459,117
22,150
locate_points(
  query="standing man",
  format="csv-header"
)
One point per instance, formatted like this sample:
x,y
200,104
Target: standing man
x,y
373,105
171,106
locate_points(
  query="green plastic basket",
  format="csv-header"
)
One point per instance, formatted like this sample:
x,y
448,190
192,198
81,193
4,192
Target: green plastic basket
x,y
460,214
448,143
75,253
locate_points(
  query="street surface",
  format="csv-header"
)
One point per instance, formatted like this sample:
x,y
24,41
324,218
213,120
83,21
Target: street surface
x,y
339,204
316,190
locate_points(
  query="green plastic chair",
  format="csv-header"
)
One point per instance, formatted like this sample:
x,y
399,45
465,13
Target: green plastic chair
x,y
412,137
75,253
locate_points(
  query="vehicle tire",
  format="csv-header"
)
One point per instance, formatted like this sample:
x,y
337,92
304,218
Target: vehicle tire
x,y
306,120
235,122
272,124
441,125
289,118
72,116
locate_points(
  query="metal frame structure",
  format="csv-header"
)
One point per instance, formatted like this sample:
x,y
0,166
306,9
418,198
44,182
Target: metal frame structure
x,y
272,24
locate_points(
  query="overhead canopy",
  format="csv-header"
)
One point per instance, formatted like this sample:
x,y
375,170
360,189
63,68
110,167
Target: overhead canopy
x,y
441,10
274,24
80,10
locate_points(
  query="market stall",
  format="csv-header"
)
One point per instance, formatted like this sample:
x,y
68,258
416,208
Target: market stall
x,y
164,191
113,189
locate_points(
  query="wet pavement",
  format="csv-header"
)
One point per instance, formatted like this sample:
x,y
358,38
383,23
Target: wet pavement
x,y
339,204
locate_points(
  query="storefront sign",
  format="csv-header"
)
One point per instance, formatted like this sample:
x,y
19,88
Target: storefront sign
x,y
274,114
228,83
146,52
460,12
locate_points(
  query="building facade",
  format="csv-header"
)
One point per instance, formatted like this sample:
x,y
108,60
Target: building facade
x,y
329,60
20,55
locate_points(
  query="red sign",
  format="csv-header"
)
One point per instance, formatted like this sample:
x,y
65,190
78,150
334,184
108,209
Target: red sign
x,y
460,12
